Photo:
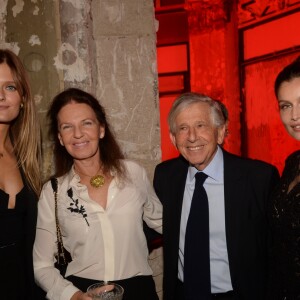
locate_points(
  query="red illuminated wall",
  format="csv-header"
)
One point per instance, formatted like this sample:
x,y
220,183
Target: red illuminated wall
x,y
267,48
173,70
168,150
272,36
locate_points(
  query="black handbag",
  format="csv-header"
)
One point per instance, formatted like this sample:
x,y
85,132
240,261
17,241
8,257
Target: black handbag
x,y
62,256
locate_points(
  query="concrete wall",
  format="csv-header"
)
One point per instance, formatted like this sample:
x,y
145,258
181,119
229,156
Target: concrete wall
x,y
105,47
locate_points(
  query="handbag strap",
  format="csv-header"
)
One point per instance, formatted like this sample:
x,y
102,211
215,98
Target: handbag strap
x,y
60,245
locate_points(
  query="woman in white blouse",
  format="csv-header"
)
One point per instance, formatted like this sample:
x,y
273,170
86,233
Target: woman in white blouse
x,y
102,202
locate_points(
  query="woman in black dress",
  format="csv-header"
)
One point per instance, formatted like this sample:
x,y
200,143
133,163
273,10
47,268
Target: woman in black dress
x,y
285,210
19,179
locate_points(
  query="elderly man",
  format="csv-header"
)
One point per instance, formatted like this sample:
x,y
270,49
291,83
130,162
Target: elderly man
x,y
214,220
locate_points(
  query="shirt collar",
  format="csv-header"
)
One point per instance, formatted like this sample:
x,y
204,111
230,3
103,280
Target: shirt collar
x,y
214,170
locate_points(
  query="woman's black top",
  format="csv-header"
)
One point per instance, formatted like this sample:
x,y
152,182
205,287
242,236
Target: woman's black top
x,y
17,233
285,222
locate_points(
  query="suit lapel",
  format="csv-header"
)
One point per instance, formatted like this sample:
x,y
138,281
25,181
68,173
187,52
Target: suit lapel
x,y
178,179
234,191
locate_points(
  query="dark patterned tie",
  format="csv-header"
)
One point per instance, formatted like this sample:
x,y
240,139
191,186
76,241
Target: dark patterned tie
x,y
196,249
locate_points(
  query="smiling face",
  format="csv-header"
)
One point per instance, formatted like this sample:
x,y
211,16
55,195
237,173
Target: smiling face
x,y
10,99
289,106
196,137
79,130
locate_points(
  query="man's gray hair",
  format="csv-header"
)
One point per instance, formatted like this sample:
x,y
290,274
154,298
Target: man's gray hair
x,y
185,100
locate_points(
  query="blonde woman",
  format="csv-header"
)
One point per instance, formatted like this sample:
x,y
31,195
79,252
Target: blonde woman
x,y
19,179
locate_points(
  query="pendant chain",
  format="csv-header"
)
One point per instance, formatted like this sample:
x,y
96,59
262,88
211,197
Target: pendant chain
x,y
97,180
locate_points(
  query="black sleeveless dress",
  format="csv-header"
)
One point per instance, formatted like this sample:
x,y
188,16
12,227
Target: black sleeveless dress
x,y
285,222
17,233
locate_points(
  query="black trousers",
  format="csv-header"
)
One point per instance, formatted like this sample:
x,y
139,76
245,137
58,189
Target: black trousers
x,y
179,295
135,288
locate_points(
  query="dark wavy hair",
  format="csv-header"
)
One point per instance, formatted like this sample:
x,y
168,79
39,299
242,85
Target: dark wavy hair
x,y
288,73
110,153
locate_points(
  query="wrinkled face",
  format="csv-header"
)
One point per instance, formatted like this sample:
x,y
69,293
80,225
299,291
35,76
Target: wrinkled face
x,y
196,136
10,99
79,130
289,106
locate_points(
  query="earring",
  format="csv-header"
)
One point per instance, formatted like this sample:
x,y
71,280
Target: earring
x,y
21,105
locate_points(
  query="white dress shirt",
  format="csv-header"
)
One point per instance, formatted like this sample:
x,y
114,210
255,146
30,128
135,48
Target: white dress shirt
x,y
105,244
214,187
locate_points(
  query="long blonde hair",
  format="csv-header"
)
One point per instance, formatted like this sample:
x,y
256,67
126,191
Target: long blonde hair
x,y
25,129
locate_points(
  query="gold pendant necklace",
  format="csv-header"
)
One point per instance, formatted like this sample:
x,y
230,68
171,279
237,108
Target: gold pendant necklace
x,y
97,181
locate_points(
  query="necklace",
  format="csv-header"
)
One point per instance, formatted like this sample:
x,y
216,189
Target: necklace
x,y
97,180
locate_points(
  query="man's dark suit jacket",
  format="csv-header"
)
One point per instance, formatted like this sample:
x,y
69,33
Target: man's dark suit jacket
x,y
247,186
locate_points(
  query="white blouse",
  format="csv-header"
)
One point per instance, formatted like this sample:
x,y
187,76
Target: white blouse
x,y
105,244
